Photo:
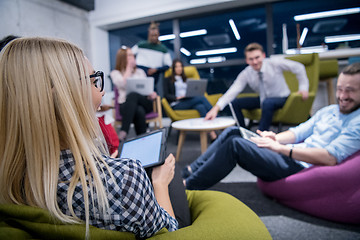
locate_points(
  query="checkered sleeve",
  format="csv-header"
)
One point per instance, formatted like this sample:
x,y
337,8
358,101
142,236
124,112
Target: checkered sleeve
x,y
142,213
132,204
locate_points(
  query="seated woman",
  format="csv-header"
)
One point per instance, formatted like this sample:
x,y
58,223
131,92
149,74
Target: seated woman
x,y
52,151
134,106
174,88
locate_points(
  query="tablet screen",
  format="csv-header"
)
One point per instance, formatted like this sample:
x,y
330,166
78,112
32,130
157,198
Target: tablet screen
x,y
147,149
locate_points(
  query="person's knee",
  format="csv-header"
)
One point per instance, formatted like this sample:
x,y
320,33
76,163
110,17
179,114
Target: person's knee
x,y
201,109
229,132
140,113
132,96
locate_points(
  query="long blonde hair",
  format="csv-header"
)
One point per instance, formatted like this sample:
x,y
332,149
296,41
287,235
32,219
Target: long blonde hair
x,y
45,106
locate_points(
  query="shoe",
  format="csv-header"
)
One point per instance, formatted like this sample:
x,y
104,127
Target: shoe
x,y
186,172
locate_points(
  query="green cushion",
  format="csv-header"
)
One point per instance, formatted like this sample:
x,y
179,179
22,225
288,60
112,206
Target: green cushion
x,y
215,215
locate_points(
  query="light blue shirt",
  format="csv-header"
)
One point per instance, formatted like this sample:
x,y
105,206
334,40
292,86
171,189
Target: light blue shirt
x,y
338,133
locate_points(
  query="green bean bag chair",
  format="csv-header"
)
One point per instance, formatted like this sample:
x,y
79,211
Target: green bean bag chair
x,y
215,215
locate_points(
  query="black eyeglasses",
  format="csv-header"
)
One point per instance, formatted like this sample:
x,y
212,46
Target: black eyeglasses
x,y
99,80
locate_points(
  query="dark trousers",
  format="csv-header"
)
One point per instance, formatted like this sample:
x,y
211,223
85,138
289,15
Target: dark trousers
x,y
133,111
230,149
178,198
269,106
200,103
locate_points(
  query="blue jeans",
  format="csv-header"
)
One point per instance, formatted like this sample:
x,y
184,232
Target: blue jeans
x,y
230,149
200,103
269,106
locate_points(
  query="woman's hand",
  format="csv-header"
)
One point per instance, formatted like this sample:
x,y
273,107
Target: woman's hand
x,y
178,98
162,175
152,96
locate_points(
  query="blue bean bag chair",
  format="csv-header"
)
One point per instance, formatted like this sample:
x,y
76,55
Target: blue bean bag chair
x,y
329,192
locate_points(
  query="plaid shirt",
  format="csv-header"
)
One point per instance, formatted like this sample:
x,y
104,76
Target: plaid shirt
x,y
133,206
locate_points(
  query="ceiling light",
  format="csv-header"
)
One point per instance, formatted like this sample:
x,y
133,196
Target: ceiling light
x,y
342,38
198,61
216,59
216,51
193,33
314,49
167,37
183,35
303,36
185,51
325,14
234,29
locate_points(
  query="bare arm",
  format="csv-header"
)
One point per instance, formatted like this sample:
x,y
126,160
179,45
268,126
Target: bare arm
x,y
161,178
212,113
315,156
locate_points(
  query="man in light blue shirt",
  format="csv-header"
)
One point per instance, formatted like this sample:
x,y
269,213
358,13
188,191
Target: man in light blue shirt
x,y
329,137
264,76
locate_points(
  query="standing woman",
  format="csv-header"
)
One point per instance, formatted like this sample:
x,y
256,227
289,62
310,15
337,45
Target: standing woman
x,y
175,89
134,106
52,151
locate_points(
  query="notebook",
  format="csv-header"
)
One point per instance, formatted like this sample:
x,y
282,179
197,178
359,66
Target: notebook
x,y
245,133
196,87
148,148
143,86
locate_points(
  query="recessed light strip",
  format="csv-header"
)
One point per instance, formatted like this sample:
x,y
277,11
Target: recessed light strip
x,y
216,59
342,38
234,29
216,51
167,37
193,33
183,35
325,14
198,61
185,51
303,36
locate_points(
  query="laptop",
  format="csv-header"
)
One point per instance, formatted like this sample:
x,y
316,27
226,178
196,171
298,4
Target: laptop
x,y
143,86
148,148
196,87
245,133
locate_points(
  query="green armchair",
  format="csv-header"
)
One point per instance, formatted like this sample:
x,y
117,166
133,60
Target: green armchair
x,y
176,115
215,215
295,110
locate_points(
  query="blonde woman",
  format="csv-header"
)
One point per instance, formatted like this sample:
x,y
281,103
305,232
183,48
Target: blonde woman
x,y
51,152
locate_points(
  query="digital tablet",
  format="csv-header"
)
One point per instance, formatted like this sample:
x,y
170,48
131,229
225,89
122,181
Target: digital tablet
x,y
148,148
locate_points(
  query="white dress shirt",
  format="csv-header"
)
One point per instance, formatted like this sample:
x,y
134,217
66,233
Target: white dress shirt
x,y
274,81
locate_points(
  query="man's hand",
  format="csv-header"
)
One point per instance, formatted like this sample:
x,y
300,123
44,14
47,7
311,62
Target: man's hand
x,y
304,94
267,134
212,113
269,143
151,71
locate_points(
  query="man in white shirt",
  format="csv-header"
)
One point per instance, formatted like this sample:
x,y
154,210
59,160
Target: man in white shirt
x,y
264,76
